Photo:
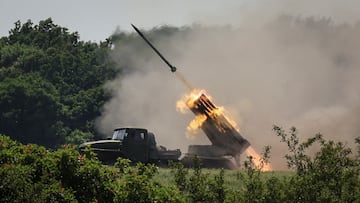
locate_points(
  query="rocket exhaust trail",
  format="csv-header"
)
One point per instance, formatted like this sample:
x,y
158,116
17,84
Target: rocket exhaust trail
x,y
172,68
182,78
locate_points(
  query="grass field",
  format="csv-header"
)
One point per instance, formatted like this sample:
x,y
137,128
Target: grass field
x,y
233,178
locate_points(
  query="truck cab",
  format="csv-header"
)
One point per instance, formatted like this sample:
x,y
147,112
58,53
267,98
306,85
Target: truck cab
x,y
135,144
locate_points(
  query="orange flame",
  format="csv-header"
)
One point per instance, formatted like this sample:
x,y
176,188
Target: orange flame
x,y
256,158
194,125
197,122
187,100
181,106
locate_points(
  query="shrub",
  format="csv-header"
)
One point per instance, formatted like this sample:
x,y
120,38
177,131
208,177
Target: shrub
x,y
196,186
135,184
332,175
15,183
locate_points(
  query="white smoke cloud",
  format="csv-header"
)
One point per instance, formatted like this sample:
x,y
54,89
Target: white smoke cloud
x,y
289,71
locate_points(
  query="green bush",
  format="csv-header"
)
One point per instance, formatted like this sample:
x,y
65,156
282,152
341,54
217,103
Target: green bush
x,y
197,186
15,183
56,193
31,172
331,175
135,184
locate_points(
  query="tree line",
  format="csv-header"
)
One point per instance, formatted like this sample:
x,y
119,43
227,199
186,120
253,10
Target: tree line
x,y
51,84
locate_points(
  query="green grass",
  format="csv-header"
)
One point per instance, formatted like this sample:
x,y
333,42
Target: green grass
x,y
233,178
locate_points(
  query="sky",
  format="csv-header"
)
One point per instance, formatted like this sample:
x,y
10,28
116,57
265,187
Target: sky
x,y
96,20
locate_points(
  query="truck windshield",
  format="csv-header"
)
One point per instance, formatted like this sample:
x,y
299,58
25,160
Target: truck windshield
x,y
119,134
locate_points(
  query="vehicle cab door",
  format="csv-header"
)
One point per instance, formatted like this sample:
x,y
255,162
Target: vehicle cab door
x,y
135,145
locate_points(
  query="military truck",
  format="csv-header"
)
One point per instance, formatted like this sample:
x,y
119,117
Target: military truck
x,y
227,144
135,144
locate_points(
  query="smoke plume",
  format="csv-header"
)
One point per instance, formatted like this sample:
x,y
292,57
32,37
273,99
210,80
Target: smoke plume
x,y
289,70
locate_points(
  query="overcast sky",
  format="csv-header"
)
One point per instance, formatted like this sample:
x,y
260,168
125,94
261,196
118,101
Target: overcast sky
x,y
96,20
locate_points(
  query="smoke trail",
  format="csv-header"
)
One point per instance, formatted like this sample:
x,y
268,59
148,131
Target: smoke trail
x,y
184,80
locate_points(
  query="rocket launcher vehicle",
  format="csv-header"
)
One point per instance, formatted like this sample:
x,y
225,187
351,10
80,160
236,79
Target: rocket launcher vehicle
x,y
226,140
227,144
217,128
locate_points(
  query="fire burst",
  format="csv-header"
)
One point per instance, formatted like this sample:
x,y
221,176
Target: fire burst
x,y
217,124
188,101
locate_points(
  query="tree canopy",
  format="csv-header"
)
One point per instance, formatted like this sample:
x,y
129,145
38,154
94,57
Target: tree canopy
x,y
51,83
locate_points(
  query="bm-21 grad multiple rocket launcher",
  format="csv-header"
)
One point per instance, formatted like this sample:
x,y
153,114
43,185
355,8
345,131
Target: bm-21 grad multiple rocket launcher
x,y
227,144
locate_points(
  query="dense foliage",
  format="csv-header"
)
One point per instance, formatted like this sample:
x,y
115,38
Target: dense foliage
x,y
51,84
30,172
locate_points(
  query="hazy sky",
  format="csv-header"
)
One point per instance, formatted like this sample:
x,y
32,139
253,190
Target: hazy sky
x,y
95,20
